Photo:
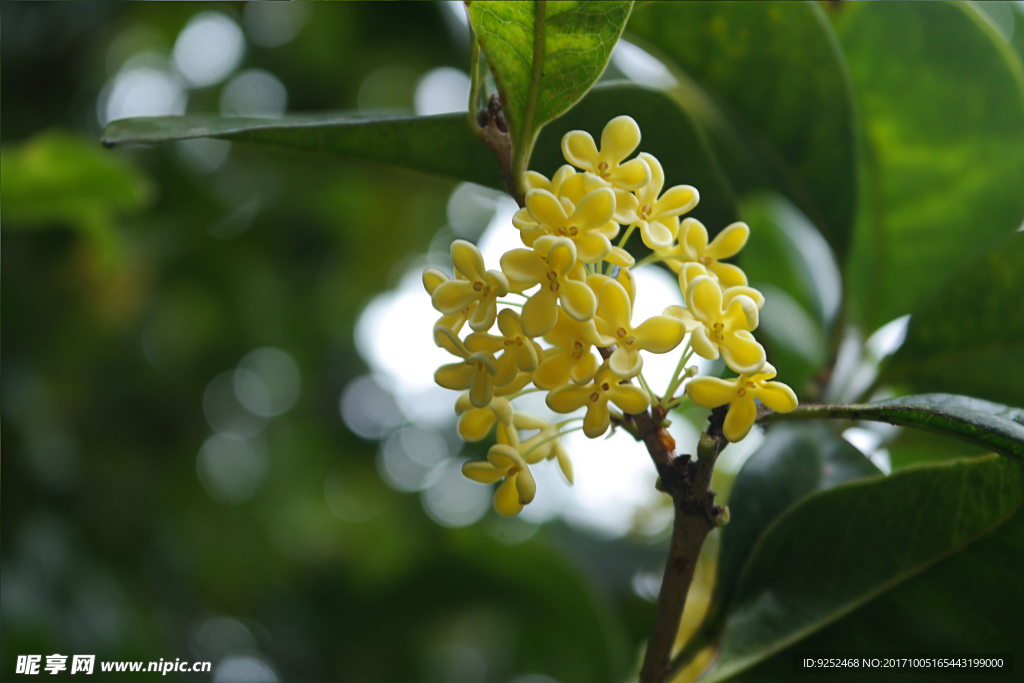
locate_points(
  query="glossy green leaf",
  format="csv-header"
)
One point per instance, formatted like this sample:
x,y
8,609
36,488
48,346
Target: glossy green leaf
x,y
968,336
837,550
58,178
793,462
545,56
944,147
768,81
995,427
668,132
440,145
969,602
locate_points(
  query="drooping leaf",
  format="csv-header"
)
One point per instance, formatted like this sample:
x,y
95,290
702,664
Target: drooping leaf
x,y
793,462
837,550
969,335
768,81
545,56
668,132
58,178
440,145
995,427
944,147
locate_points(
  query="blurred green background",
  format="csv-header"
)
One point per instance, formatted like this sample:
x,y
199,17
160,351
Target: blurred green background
x,y
156,507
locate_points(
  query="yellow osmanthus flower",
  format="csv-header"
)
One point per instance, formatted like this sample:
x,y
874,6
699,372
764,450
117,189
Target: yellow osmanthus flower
x,y
693,270
581,223
618,140
475,373
504,462
570,358
552,264
434,278
475,423
726,244
612,325
739,393
658,217
481,286
519,352
545,445
595,398
725,330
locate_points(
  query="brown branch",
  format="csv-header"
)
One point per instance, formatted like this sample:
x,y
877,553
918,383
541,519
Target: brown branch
x,y
688,481
495,134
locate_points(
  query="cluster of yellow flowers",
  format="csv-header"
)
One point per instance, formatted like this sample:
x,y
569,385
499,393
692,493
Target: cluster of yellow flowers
x,y
576,291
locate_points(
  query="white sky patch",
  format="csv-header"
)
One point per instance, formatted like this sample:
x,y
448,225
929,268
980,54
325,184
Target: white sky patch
x,y
442,90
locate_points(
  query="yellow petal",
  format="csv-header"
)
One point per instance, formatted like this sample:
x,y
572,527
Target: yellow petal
x,y
483,317
728,242
659,334
545,208
688,272
649,193
655,235
526,485
597,419
482,472
696,236
584,369
540,313
553,372
620,258
776,396
432,279
683,316
594,210
481,390
616,309
631,175
729,275
732,292
523,265
628,282
625,363
632,400
579,149
536,181
506,499
739,419
527,421
502,409
449,341
462,403
522,219
468,260
592,246
711,392
626,205
520,382
567,398
481,341
475,424
508,369
618,139
702,345
704,299
742,313
677,200
457,376
577,300
453,296
742,353
503,456
564,461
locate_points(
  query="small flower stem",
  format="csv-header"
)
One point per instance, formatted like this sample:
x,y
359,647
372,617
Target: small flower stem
x,y
524,392
646,386
676,402
511,303
540,443
676,380
565,422
654,258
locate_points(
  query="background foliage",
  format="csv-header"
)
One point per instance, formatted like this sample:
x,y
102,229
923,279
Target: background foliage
x,y
876,149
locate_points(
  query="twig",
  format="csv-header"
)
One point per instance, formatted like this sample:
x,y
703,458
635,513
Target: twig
x,y
495,135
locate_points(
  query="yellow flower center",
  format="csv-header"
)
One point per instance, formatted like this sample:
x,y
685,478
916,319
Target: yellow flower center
x,y
579,350
603,168
572,231
706,260
605,386
645,211
594,396
621,332
554,286
717,331
742,392
629,340
552,275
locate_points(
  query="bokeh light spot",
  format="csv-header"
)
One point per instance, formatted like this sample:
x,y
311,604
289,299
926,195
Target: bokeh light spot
x,y
208,49
230,469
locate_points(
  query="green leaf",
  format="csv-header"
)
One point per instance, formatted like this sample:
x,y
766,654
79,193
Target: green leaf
x,y
968,336
667,131
545,56
440,145
793,462
57,178
969,602
768,81
837,550
995,427
941,97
